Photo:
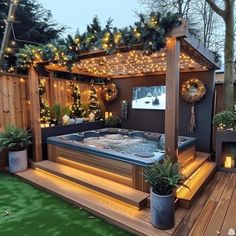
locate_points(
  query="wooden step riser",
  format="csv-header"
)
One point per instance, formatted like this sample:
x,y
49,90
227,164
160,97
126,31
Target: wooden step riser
x,y
140,204
187,156
188,203
188,172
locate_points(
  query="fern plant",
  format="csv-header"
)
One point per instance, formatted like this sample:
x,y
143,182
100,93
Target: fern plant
x,y
14,139
164,176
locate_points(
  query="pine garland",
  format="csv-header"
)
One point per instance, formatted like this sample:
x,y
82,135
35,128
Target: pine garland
x,y
150,32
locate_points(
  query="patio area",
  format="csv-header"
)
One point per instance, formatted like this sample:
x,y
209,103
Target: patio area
x,y
117,131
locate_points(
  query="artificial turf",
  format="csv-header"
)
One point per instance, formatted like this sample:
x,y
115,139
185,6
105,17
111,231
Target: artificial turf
x,y
26,210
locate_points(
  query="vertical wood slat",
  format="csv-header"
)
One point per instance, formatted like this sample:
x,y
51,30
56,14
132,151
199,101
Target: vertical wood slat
x,y
1,106
172,98
35,114
24,103
6,117
51,89
17,102
11,99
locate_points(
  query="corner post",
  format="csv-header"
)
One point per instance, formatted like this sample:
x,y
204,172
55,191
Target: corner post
x,y
172,98
35,114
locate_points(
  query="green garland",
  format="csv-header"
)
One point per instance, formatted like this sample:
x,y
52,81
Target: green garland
x,y
44,107
149,32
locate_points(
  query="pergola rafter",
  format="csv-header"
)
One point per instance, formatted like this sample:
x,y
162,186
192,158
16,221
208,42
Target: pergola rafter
x,y
183,53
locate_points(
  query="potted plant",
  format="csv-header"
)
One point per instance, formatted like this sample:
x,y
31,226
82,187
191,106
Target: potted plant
x,y
57,112
16,141
163,177
225,123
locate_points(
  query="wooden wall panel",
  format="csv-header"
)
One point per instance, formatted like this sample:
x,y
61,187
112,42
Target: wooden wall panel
x,y
15,103
14,107
219,93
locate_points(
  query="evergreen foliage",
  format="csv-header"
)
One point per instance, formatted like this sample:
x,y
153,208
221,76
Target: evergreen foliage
x,y
164,176
76,107
148,32
44,107
33,24
93,103
15,139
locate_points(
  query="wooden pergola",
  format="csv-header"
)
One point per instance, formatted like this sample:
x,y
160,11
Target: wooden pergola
x,y
183,53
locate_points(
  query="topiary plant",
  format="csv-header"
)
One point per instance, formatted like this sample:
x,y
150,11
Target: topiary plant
x,y
14,139
224,120
164,176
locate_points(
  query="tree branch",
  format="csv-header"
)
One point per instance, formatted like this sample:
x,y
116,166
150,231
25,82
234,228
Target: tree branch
x,y
218,10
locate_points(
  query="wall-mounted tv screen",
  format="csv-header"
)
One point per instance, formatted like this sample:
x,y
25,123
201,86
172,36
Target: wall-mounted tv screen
x,y
153,97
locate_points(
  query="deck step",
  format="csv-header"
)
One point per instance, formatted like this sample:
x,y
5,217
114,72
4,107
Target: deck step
x,y
196,183
133,220
190,168
105,186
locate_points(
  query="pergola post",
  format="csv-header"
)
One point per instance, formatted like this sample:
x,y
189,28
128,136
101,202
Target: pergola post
x,y
35,114
51,88
172,98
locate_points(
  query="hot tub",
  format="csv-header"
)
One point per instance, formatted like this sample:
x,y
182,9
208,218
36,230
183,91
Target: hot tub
x,y
118,154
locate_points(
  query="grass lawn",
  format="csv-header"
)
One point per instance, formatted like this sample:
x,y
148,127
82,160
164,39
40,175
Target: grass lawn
x,y
25,210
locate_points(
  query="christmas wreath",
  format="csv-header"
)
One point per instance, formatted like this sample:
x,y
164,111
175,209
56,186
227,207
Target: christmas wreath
x,y
110,92
193,91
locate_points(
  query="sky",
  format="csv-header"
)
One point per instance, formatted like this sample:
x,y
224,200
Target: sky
x,y
79,13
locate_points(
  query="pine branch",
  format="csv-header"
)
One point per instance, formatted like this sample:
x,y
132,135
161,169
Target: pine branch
x,y
217,9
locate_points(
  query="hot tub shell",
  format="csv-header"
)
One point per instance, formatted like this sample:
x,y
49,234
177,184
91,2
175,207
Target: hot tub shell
x,y
120,167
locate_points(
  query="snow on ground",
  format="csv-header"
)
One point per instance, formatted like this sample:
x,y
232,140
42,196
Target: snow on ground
x,y
146,103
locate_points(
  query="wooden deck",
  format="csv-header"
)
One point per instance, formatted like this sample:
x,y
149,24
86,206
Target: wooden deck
x,y
213,213
116,212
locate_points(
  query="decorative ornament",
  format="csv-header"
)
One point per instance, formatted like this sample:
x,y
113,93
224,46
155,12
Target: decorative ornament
x,y
91,117
65,119
110,92
192,91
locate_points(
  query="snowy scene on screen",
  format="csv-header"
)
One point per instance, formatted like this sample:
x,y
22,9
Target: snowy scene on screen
x,y
153,97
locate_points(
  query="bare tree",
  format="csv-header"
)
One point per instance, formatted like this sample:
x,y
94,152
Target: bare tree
x,y
207,17
180,6
227,15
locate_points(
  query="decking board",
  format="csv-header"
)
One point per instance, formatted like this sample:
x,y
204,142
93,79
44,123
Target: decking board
x,y
121,215
206,214
105,186
187,223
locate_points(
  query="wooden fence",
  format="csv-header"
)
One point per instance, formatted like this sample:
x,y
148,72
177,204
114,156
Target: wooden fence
x,y
219,97
15,102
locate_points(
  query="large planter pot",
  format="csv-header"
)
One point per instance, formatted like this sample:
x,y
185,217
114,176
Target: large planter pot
x,y
18,161
162,211
225,141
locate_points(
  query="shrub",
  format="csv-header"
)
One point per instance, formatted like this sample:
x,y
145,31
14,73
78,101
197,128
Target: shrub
x,y
112,121
224,120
